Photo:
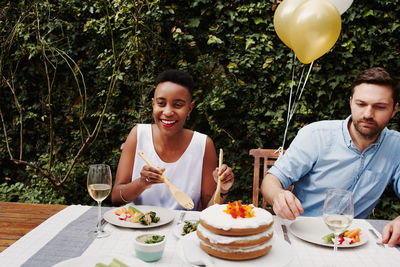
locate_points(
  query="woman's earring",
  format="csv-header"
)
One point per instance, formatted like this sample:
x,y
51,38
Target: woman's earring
x,y
188,117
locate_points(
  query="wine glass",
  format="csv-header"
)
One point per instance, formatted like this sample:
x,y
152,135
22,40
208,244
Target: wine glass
x,y
338,212
99,181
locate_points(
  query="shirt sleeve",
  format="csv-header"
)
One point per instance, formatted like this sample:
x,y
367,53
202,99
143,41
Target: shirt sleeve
x,y
396,182
298,159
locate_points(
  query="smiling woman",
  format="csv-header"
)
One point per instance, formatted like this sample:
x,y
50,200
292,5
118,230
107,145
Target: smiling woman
x,y
171,106
186,157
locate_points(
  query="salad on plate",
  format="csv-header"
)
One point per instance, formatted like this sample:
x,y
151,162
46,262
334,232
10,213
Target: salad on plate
x,y
134,215
348,237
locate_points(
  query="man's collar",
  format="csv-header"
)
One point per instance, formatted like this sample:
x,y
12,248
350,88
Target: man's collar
x,y
345,131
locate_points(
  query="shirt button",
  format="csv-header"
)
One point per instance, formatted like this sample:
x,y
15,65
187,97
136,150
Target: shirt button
x,y
362,156
357,177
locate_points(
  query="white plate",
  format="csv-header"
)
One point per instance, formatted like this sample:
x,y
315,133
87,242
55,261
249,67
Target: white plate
x,y
313,229
166,216
280,255
85,261
178,229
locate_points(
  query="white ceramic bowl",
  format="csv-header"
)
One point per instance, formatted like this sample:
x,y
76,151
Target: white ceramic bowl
x,y
149,252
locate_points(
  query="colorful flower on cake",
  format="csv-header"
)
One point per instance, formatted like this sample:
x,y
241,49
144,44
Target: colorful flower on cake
x,y
237,209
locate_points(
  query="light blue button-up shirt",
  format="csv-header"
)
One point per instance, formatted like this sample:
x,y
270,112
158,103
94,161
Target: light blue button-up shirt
x,y
323,156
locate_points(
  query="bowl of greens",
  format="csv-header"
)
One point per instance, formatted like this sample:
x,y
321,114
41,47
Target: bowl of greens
x,y
189,226
149,247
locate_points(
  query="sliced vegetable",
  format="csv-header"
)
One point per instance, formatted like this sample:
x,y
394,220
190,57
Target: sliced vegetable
x,y
117,263
131,212
135,210
328,238
118,212
113,263
135,218
352,233
357,238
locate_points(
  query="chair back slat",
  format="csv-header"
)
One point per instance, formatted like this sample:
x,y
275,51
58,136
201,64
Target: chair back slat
x,y
269,157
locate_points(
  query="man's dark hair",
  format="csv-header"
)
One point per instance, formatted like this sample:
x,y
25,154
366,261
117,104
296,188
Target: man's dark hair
x,y
380,76
178,77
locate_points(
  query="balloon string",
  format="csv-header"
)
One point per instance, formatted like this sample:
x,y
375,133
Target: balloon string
x,y
292,107
302,89
289,105
291,88
300,81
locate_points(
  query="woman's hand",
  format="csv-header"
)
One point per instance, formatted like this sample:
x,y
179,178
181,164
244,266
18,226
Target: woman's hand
x,y
227,177
150,175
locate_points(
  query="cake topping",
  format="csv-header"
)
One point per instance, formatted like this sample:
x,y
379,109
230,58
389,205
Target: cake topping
x,y
217,218
236,209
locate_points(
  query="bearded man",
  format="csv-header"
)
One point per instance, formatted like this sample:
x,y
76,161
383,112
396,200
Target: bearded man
x,y
358,154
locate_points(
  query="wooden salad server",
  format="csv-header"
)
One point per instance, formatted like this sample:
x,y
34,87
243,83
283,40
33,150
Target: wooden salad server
x,y
217,196
184,200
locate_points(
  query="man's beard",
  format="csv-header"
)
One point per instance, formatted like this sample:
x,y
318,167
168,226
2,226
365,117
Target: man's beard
x,y
372,133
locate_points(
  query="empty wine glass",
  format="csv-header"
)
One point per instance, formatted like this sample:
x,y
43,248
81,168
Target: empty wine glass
x,y
338,212
99,181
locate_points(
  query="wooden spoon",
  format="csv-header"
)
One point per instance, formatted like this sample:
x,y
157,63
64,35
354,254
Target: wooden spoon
x,y
184,200
217,197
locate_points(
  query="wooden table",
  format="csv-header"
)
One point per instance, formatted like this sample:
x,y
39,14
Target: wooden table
x,y
17,219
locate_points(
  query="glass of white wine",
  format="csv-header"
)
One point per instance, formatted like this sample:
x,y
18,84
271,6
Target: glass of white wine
x,y
338,212
99,181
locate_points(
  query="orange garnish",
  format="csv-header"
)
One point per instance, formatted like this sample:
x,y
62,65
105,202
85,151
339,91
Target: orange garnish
x,y
236,209
118,212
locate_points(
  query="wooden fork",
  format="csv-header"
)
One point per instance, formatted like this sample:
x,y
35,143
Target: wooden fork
x,y
184,200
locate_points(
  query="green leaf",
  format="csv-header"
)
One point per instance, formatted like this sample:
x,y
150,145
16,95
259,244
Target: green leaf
x,y
212,39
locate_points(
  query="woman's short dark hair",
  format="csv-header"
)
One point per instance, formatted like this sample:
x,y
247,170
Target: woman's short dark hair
x,y
380,76
178,77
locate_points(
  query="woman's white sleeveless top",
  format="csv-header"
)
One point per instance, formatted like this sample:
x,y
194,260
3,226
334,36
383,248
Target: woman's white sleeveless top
x,y
185,173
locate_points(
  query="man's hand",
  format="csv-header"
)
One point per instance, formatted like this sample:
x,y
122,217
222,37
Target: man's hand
x,y
391,233
286,205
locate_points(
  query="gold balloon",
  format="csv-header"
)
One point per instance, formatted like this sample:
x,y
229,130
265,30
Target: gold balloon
x,y
314,28
282,15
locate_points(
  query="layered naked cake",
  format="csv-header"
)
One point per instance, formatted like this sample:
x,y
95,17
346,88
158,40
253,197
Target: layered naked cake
x,y
235,232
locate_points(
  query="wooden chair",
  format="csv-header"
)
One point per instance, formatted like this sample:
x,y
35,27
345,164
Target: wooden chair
x,y
269,157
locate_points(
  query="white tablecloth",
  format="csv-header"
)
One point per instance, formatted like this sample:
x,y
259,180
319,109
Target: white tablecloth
x,y
121,242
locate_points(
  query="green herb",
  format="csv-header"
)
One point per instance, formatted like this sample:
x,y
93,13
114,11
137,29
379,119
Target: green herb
x,y
156,219
155,239
145,219
149,217
189,227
